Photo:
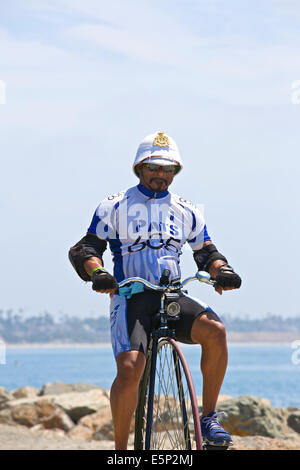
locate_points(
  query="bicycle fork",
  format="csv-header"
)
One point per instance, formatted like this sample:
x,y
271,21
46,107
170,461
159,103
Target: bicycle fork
x,y
151,393
156,334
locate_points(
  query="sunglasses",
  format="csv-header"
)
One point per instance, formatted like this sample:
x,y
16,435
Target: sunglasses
x,y
165,169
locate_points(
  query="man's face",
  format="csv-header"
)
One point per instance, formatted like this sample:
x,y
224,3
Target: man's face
x,y
155,177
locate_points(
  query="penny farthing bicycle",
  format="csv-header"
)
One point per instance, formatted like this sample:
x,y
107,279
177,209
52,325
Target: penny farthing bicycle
x,y
167,415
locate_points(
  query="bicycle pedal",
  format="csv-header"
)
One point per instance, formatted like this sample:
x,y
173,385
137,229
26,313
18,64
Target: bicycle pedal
x,y
210,447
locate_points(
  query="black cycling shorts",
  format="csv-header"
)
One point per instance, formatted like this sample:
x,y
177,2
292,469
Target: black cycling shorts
x,y
132,319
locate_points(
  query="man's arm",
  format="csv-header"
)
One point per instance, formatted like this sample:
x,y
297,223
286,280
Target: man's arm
x,y
89,247
86,258
91,264
209,259
102,281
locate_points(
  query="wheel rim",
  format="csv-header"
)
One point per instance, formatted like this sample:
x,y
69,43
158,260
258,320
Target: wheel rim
x,y
173,421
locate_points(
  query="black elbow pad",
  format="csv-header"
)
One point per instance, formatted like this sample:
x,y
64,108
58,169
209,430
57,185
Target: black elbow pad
x,y
88,247
206,256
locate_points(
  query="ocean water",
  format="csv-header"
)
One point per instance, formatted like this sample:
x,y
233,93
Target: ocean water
x,y
263,370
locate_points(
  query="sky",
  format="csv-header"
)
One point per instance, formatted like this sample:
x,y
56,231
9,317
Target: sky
x,y
86,81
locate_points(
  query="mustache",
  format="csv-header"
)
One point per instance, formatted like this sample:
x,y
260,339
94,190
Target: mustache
x,y
158,179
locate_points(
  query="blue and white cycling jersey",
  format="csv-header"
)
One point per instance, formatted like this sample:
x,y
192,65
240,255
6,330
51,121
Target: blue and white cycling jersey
x,y
146,231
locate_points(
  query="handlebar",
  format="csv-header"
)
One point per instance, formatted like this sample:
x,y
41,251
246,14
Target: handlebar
x,y
201,276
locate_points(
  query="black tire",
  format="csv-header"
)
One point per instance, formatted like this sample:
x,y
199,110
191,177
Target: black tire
x,y
141,410
174,420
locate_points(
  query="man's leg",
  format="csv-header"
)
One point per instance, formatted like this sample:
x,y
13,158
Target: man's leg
x,y
124,394
209,331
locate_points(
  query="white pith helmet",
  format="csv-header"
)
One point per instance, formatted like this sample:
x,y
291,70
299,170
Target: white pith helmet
x,y
160,149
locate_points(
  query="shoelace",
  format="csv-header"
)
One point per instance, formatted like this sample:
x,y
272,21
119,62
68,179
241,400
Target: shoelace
x,y
212,421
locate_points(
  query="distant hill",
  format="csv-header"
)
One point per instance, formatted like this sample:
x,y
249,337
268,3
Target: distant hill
x,y
70,329
44,329
268,323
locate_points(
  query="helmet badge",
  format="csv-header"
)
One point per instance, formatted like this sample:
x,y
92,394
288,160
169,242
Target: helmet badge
x,y
161,140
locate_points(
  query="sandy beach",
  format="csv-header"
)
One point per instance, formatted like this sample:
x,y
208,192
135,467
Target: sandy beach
x,y
21,438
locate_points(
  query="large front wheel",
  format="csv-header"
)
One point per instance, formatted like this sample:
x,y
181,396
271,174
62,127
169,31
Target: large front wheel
x,y
169,418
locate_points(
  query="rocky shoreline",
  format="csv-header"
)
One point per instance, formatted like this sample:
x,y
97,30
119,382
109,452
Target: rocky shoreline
x,y
78,416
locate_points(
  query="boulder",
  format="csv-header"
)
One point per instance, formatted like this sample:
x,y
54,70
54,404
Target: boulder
x,y
58,419
52,433
249,415
29,411
263,443
79,404
101,424
80,432
74,404
221,398
5,416
55,388
83,387
25,414
5,396
45,408
96,420
52,416
58,388
25,392
105,432
293,420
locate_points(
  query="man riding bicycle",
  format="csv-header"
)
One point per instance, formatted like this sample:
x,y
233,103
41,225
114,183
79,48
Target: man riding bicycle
x,y
146,227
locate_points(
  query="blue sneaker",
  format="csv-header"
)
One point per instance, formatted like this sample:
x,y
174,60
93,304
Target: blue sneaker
x,y
212,433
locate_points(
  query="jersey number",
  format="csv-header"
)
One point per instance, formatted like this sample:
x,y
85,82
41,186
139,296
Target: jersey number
x,y
139,245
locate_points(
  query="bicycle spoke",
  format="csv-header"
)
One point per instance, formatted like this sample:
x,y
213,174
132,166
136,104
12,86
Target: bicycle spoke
x,y
169,430
175,413
168,390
